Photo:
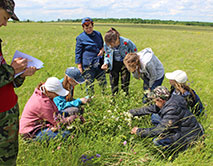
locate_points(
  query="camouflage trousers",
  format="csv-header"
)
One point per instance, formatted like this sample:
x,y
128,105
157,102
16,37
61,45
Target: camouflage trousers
x,y
9,125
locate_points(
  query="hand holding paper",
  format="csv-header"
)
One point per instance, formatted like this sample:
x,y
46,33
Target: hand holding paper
x,y
23,63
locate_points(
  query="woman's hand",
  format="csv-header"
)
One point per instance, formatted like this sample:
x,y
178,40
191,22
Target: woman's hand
x,y
101,52
104,67
85,100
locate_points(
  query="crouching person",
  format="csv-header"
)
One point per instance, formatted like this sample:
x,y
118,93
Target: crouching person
x,y
177,126
67,105
40,118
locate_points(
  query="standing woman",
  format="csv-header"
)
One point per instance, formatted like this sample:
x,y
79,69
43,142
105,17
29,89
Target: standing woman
x,y
116,48
9,109
89,54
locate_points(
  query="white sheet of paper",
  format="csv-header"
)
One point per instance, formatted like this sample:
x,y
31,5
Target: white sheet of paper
x,y
32,61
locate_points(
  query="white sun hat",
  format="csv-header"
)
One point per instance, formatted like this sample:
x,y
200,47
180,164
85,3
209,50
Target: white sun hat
x,y
177,75
54,85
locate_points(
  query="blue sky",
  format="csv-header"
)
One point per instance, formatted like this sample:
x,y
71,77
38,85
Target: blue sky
x,y
177,10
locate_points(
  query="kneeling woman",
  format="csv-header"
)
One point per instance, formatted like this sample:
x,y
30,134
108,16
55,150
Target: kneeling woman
x,y
40,116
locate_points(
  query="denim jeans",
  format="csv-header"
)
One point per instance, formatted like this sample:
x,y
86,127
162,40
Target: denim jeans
x,y
162,142
156,83
155,119
90,74
71,111
47,134
146,86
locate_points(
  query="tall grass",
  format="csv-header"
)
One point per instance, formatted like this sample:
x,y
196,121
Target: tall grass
x,y
105,138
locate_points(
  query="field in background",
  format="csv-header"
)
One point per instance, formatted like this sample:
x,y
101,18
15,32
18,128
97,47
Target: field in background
x,y
107,130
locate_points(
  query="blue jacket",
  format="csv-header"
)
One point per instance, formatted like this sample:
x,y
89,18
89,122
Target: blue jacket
x,y
87,48
126,46
61,103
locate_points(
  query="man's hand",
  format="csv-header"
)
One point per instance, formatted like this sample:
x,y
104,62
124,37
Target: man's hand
x,y
80,68
29,71
134,130
19,64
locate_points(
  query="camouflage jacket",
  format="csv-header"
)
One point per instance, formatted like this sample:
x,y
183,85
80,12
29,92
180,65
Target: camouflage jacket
x,y
7,73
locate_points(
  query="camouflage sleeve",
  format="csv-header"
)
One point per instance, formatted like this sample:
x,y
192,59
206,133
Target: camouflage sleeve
x,y
7,76
18,81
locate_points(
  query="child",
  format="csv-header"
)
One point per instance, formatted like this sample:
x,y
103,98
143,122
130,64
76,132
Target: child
x,y
177,80
177,127
116,48
66,104
147,66
40,114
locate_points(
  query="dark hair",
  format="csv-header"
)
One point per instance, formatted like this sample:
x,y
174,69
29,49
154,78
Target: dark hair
x,y
111,35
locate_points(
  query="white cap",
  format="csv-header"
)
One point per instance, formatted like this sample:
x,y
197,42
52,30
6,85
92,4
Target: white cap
x,y
54,85
177,75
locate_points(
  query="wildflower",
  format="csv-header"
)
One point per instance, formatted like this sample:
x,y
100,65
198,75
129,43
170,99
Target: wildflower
x,y
124,143
98,155
109,111
59,147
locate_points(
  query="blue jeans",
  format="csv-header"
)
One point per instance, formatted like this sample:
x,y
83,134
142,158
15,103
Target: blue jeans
x,y
155,119
90,74
156,83
47,134
162,142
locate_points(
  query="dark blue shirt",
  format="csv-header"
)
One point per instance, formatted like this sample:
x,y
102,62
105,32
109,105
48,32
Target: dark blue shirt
x,y
87,48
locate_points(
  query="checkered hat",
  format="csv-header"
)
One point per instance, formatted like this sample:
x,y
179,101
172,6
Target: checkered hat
x,y
159,92
9,6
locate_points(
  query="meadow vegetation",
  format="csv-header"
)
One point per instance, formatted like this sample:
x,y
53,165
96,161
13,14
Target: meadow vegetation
x,y
105,138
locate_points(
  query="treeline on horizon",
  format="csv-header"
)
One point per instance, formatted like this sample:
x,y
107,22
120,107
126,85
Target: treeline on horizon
x,y
134,21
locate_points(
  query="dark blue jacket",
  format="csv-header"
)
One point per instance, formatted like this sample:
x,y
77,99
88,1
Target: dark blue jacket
x,y
87,48
177,122
194,103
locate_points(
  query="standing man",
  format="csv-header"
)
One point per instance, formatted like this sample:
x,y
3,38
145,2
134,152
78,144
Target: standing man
x,y
9,109
89,55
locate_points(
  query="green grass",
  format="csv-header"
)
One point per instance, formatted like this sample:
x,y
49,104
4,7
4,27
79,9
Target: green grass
x,y
106,127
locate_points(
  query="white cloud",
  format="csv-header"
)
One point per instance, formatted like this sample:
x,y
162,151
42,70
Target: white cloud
x,y
195,10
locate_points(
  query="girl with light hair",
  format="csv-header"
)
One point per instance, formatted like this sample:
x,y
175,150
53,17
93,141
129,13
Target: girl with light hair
x,y
177,80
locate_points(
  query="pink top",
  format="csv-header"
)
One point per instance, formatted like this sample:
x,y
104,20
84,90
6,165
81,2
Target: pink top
x,y
38,111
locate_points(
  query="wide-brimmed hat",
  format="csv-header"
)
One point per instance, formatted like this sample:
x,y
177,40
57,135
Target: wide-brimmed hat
x,y
9,6
75,74
54,85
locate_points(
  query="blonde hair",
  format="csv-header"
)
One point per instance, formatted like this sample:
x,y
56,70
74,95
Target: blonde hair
x,y
131,61
67,86
182,87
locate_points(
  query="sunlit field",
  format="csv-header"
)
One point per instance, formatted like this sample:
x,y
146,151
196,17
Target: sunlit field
x,y
105,138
